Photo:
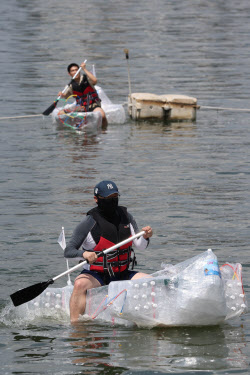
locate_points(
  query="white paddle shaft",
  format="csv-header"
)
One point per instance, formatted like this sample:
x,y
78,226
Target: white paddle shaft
x,y
105,252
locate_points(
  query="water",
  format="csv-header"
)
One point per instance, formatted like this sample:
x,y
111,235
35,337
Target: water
x,y
189,181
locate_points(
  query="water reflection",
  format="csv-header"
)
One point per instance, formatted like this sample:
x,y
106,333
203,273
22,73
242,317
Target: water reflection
x,y
82,159
79,138
213,348
173,128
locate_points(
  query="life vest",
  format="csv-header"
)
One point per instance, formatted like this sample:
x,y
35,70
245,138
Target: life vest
x,y
84,92
105,235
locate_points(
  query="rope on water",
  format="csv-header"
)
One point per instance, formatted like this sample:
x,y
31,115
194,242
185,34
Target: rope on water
x,y
125,103
15,117
225,108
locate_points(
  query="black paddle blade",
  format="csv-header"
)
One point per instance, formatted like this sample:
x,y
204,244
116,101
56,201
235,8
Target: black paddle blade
x,y
51,108
29,293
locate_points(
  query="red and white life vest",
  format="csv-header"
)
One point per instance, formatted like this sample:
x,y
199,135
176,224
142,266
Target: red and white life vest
x,y
106,235
84,92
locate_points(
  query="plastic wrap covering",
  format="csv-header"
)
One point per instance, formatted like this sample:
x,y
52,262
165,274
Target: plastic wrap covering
x,y
115,113
51,300
234,292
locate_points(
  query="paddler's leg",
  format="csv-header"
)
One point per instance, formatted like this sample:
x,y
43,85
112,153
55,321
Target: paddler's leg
x,y
78,298
140,275
104,118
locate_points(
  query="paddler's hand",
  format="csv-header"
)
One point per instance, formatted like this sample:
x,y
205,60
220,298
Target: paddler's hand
x,y
148,232
91,78
61,94
90,256
83,65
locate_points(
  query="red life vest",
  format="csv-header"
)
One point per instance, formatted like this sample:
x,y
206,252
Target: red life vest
x,y
84,92
107,234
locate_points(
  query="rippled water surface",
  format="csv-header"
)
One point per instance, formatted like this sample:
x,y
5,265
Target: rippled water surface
x,y
189,180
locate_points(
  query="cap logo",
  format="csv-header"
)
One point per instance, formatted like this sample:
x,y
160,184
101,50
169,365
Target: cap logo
x,y
96,191
110,186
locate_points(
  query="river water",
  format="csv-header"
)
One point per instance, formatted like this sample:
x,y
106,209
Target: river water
x,y
189,181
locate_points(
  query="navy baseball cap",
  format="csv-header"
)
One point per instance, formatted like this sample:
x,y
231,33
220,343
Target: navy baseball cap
x,y
105,188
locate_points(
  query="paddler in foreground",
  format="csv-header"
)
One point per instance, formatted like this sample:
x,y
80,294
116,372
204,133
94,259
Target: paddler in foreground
x,y
82,87
103,226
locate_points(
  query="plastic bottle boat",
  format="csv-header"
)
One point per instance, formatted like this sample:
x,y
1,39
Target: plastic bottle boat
x,y
195,292
115,113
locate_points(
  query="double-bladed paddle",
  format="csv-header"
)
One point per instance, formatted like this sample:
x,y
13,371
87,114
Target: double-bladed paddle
x,y
51,108
31,292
